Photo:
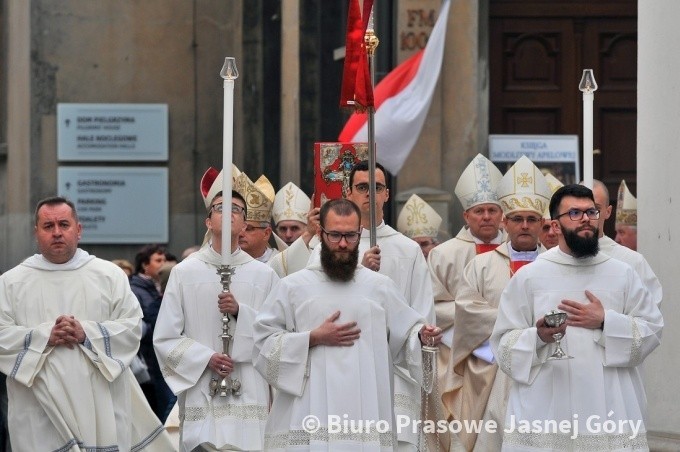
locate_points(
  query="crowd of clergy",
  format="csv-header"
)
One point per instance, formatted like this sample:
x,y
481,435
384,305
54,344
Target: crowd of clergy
x,y
308,343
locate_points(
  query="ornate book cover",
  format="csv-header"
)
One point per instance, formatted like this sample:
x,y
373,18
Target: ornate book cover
x,y
332,165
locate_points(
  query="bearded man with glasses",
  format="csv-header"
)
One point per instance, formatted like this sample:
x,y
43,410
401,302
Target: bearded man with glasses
x,y
613,324
401,259
326,339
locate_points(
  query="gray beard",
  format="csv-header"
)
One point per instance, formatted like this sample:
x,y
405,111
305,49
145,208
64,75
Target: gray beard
x,y
339,267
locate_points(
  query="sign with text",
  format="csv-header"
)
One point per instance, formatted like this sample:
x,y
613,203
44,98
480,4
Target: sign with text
x,y
118,205
112,132
415,20
557,154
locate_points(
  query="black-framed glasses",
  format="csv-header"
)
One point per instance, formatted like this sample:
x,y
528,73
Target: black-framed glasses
x,y
235,208
520,220
362,187
336,237
577,214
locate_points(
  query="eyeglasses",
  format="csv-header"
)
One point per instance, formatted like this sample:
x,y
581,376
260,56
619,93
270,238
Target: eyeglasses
x,y
363,187
577,214
235,208
336,237
520,220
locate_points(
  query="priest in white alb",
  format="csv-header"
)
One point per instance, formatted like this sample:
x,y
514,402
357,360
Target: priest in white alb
x,y
69,328
187,334
327,339
612,325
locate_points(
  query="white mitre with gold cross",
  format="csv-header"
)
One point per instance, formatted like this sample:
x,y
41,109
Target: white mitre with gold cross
x,y
523,188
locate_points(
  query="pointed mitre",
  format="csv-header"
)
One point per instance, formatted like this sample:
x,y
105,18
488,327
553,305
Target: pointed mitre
x,y
554,184
523,188
291,203
626,206
477,183
418,219
259,197
211,183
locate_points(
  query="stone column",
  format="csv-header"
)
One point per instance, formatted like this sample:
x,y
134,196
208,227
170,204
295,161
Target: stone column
x,y
658,195
290,93
16,227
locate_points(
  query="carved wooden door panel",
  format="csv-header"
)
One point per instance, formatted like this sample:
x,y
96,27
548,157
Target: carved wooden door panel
x,y
537,51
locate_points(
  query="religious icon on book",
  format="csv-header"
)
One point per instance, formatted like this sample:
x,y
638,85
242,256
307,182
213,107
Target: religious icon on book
x,y
333,163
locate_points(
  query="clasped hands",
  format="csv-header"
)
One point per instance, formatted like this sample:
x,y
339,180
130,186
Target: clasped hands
x,y
66,331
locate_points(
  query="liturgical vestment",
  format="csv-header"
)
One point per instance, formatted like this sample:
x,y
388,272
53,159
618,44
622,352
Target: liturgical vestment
x,y
188,333
602,381
352,383
84,398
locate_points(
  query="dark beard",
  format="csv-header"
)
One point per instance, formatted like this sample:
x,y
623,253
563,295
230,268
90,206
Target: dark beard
x,y
339,267
581,246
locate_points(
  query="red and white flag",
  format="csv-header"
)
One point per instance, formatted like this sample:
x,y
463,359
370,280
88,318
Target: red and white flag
x,y
402,101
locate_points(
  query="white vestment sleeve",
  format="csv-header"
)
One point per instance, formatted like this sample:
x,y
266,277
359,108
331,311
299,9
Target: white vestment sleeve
x,y
515,343
280,354
22,350
242,348
630,336
182,360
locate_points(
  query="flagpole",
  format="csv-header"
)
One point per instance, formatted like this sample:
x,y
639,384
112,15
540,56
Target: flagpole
x,y
371,41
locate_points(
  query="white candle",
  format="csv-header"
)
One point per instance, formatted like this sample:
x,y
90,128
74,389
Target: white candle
x,y
229,73
588,86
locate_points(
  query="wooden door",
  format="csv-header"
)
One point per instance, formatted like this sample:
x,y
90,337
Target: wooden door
x,y
537,52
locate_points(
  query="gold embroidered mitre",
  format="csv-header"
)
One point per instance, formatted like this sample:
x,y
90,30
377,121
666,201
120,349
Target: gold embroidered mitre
x,y
259,196
523,188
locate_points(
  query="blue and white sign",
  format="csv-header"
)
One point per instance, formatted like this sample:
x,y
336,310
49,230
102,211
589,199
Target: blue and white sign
x,y
118,205
112,132
557,154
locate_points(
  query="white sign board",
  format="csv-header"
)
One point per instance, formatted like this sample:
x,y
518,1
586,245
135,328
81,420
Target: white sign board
x,y
118,205
112,132
558,154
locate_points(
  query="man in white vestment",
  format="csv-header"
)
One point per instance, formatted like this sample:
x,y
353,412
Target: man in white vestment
x,y
620,252
401,259
596,400
327,338
478,392
69,329
187,335
476,191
